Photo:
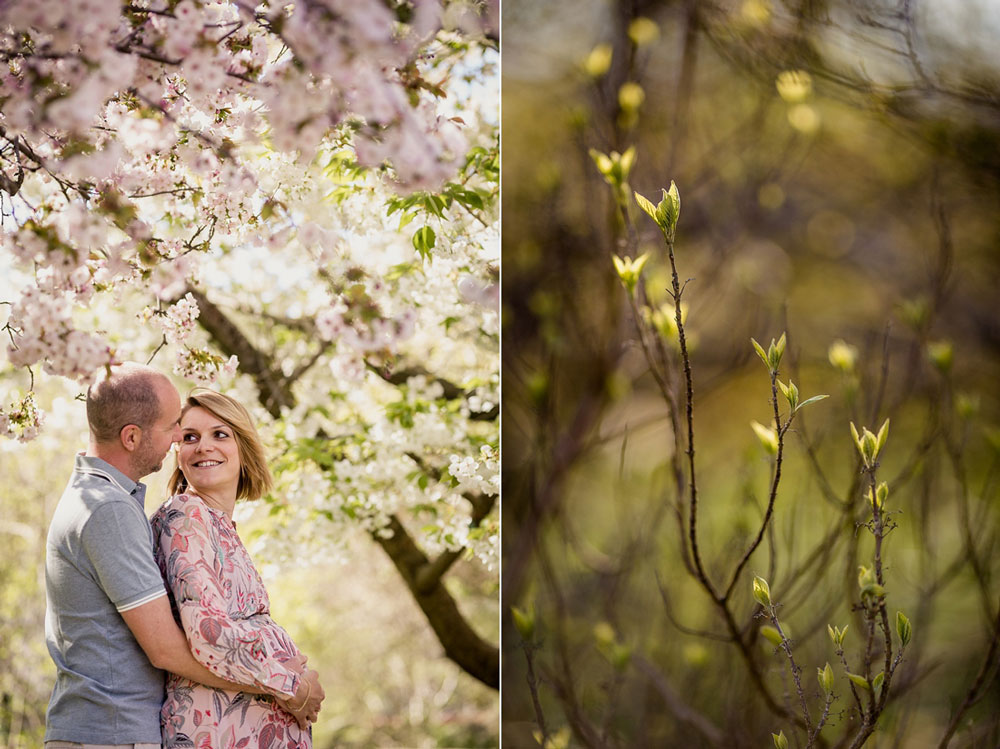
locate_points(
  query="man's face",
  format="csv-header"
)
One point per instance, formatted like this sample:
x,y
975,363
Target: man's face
x,y
157,439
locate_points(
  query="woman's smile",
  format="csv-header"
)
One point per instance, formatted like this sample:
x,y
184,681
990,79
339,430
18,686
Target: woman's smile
x,y
208,455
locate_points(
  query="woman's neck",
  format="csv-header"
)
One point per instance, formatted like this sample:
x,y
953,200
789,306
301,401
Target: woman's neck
x,y
218,499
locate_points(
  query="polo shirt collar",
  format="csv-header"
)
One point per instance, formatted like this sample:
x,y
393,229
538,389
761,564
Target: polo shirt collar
x,y
90,464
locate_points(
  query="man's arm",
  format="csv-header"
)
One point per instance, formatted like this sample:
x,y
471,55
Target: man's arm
x,y
158,635
163,642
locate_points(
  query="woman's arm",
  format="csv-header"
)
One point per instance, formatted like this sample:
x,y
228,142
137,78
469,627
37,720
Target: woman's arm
x,y
245,651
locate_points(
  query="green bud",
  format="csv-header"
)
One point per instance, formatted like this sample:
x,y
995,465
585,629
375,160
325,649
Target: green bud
x,y
837,635
630,271
780,347
915,312
772,358
941,354
602,161
780,742
604,633
866,577
825,676
967,405
791,394
643,31
665,320
768,437
859,681
771,634
524,622
903,628
666,213
877,681
869,445
843,356
669,210
614,167
626,162
879,496
598,62
538,386
631,96
761,591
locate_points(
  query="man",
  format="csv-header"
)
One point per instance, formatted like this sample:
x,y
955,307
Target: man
x,y
108,623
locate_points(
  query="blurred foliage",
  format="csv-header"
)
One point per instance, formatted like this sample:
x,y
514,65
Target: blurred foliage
x,y
386,680
837,162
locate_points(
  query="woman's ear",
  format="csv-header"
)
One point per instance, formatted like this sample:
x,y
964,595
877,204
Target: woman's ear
x,y
130,436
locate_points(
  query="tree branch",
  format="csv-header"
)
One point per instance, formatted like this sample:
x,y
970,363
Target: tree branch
x,y
430,575
461,644
275,393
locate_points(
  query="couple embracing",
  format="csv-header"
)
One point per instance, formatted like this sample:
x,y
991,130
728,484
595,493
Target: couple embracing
x,y
129,599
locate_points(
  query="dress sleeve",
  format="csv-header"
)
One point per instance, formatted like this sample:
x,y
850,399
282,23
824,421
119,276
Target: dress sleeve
x,y
196,565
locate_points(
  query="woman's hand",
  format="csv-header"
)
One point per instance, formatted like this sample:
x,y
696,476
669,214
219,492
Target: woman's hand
x,y
296,664
304,706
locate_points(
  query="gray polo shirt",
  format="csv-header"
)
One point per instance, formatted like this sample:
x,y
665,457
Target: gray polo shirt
x,y
98,563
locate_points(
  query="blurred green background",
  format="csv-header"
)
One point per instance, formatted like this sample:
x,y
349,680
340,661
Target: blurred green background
x,y
838,169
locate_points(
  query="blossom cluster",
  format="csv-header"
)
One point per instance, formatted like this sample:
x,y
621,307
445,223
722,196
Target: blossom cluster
x,y
42,330
193,63
22,419
478,475
335,323
178,321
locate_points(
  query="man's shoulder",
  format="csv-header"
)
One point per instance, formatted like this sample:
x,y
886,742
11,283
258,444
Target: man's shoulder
x,y
90,499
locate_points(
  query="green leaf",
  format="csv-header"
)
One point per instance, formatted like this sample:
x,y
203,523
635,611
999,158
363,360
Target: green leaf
x,y
781,346
405,218
424,240
785,390
903,628
761,591
669,210
524,621
877,681
647,206
860,681
807,401
780,742
768,437
773,635
883,434
761,353
825,676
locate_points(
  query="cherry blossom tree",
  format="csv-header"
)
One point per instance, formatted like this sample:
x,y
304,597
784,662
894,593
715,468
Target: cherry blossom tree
x,y
297,201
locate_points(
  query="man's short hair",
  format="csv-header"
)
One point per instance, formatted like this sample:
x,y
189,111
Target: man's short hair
x,y
127,396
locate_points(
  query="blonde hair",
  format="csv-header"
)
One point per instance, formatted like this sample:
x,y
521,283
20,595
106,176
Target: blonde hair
x,y
255,477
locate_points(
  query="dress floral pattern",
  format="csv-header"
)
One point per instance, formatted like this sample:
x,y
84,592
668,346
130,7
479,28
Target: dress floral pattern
x,y
220,602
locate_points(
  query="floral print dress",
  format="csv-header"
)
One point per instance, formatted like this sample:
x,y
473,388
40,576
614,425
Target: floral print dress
x,y
220,602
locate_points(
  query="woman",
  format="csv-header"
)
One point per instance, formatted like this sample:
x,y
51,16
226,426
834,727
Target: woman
x,y
217,594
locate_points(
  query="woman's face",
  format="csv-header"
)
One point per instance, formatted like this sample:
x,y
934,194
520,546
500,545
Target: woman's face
x,y
208,454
